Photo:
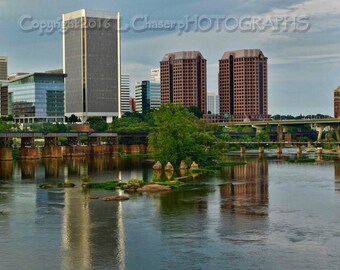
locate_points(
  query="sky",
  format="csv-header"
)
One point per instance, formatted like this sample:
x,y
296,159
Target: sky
x,y
303,66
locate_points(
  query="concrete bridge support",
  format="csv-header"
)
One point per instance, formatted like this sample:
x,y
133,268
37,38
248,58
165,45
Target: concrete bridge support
x,y
28,151
261,150
336,131
5,150
299,150
51,148
320,129
279,149
73,149
242,150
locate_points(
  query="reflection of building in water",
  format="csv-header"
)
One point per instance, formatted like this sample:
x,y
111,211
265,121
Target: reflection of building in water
x,y
52,168
28,169
247,191
337,174
6,170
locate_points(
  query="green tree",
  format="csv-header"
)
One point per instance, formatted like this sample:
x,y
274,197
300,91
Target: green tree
x,y
97,123
178,135
196,111
73,119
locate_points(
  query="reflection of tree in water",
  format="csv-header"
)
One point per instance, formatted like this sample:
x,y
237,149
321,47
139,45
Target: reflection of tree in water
x,y
184,210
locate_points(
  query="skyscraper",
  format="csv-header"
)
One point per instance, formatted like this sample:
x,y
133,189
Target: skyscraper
x,y
3,68
147,96
243,87
125,94
337,102
91,52
213,103
156,75
183,79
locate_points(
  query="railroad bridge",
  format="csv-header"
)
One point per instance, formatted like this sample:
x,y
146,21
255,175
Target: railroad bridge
x,y
77,144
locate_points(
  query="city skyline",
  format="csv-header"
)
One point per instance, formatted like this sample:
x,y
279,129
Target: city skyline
x,y
302,67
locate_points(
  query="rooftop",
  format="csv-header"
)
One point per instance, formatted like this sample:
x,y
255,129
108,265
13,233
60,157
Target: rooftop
x,y
243,53
183,55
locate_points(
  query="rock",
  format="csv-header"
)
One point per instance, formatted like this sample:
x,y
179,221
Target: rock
x,y
66,185
194,166
154,188
115,198
183,165
169,167
93,198
158,166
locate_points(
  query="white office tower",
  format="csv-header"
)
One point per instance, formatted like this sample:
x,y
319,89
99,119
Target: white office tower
x,y
125,94
213,105
155,75
3,68
91,54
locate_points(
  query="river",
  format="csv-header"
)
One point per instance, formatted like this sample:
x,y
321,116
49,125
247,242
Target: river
x,y
267,214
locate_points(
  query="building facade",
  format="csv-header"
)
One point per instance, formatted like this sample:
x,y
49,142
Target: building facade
x,y
213,103
147,96
125,94
337,103
91,54
183,79
243,86
155,75
3,68
36,98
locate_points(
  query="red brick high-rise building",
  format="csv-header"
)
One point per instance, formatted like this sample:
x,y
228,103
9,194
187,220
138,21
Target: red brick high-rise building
x,y
184,79
243,86
337,103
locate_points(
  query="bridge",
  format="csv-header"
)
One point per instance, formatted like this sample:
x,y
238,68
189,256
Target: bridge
x,y
318,124
77,144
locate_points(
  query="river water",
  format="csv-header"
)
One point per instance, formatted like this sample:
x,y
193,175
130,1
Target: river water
x,y
268,214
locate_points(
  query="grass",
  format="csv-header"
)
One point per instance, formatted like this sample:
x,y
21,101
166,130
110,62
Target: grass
x,y
109,185
172,184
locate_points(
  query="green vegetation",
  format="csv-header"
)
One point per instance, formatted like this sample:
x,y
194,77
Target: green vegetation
x,y
179,135
134,184
302,160
50,128
172,184
97,123
46,186
86,178
109,185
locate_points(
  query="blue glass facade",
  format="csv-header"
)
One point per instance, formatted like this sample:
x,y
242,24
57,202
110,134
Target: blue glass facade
x,y
37,98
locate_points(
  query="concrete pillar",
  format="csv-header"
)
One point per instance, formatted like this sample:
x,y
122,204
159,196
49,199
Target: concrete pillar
x,y
261,150
279,150
299,149
280,133
310,145
242,150
320,129
51,152
28,153
336,130
258,129
319,150
6,154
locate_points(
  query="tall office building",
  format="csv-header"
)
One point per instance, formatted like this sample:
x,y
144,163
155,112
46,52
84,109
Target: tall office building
x,y
3,68
156,75
243,87
183,79
147,95
213,103
337,103
91,52
125,94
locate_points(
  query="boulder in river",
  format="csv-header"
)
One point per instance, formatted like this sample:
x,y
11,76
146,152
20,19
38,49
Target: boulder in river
x,y
154,188
115,198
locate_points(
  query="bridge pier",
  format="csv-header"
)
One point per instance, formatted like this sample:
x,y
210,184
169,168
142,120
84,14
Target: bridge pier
x,y
336,131
299,149
28,150
73,149
261,150
319,150
5,150
279,150
320,129
51,148
242,150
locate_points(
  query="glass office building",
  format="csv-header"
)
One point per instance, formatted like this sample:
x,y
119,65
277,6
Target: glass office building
x,y
148,96
213,103
125,94
37,98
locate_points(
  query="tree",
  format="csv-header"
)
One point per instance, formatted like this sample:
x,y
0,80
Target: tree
x,y
73,119
97,123
178,135
196,111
